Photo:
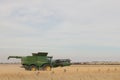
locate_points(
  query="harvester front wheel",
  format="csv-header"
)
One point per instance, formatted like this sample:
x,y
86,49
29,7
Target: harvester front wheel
x,y
33,68
47,67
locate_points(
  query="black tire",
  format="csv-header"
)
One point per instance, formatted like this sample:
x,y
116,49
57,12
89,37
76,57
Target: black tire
x,y
26,67
47,67
33,68
60,65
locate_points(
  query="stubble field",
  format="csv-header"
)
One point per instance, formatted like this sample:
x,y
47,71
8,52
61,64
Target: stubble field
x,y
74,72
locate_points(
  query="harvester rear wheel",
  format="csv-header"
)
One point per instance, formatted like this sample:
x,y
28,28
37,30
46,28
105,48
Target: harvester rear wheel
x,y
47,67
33,68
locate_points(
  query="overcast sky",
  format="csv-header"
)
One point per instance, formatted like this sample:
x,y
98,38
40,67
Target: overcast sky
x,y
82,30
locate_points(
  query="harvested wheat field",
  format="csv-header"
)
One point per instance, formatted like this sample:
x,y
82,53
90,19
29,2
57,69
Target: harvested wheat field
x,y
74,72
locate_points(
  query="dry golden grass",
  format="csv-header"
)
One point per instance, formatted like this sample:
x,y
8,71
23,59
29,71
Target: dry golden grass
x,y
79,72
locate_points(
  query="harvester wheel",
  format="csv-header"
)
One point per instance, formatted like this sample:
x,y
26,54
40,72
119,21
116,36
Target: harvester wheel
x,y
47,67
33,68
60,66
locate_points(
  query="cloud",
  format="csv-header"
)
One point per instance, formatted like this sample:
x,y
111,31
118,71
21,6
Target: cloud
x,y
64,26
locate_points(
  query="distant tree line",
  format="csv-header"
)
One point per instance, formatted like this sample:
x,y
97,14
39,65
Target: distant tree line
x,y
96,63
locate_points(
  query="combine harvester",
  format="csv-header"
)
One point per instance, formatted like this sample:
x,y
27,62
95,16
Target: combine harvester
x,y
40,61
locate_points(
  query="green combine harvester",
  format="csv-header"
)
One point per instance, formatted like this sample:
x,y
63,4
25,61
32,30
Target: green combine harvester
x,y
40,61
